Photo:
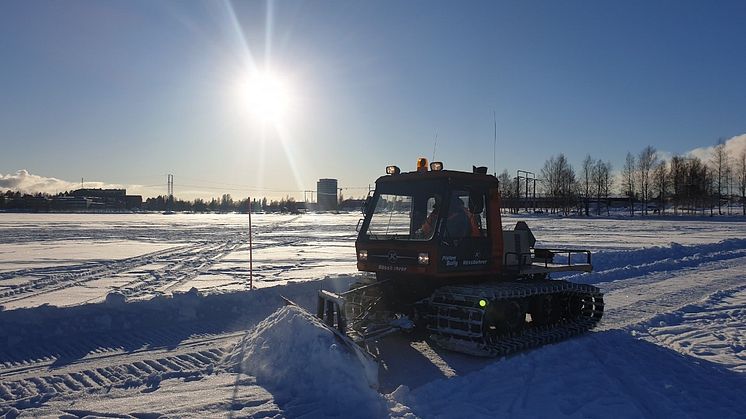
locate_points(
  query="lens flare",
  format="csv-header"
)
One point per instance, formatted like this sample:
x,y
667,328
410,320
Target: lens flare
x,y
267,97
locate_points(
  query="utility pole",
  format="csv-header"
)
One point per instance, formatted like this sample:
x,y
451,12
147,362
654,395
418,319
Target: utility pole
x,y
525,176
251,252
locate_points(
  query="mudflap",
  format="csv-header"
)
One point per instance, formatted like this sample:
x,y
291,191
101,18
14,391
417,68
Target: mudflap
x,y
368,360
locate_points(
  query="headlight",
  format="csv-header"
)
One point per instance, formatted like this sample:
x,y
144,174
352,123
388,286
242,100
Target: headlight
x,y
423,258
392,170
362,255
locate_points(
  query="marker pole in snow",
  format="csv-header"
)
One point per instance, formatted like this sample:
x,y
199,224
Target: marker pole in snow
x,y
251,251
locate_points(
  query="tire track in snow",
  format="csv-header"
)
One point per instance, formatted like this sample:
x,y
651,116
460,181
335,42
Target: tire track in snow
x,y
653,292
182,264
34,390
71,276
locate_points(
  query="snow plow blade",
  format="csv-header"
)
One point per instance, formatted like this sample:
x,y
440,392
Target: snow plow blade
x,y
363,355
366,359
331,310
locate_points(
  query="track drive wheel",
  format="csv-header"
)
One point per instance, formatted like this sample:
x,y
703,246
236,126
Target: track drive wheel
x,y
544,310
504,317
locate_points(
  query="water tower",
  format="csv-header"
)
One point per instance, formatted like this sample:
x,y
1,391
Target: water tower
x,y
326,194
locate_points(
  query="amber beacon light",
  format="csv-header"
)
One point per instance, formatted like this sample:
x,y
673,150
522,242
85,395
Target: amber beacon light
x,y
422,164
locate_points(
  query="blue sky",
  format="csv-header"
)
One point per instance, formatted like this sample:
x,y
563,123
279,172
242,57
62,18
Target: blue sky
x,y
126,92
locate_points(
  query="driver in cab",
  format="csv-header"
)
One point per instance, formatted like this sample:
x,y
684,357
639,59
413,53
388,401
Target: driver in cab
x,y
459,224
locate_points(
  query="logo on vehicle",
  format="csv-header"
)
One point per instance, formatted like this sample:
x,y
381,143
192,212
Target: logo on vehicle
x,y
450,261
393,257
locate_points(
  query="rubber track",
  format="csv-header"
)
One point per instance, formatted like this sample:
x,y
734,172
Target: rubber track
x,y
457,316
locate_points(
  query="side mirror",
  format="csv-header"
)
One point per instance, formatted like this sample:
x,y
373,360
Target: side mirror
x,y
359,223
364,207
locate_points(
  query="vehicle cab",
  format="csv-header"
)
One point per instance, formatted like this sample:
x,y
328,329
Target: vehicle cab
x,y
432,222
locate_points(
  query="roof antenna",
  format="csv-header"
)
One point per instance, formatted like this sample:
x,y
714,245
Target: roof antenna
x,y
435,145
494,144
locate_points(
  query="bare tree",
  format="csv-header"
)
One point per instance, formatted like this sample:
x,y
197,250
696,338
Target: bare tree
x,y
697,185
597,179
551,183
677,177
608,184
709,189
741,175
559,183
645,164
729,185
601,179
586,181
507,191
628,181
661,178
719,167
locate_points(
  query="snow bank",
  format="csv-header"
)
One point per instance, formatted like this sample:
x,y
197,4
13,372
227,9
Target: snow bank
x,y
711,330
612,265
28,326
307,368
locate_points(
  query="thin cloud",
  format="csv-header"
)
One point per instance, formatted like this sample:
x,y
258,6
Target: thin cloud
x,y
733,147
664,156
26,182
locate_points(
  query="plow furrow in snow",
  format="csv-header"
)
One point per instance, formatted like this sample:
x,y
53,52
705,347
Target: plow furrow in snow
x,y
652,293
26,392
31,360
628,264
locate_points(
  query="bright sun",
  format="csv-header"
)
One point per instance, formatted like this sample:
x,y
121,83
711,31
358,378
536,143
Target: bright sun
x,y
267,97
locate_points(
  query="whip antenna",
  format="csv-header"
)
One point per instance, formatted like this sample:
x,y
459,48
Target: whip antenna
x,y
435,145
494,144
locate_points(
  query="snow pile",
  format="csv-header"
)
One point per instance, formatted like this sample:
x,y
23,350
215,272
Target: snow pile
x,y
307,368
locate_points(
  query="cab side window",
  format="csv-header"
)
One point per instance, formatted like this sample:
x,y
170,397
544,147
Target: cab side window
x,y
466,215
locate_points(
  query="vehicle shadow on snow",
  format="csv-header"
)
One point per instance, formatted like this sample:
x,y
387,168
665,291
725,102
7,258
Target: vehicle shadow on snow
x,y
414,361
611,373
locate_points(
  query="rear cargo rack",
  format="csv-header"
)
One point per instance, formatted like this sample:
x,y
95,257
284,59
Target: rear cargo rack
x,y
543,261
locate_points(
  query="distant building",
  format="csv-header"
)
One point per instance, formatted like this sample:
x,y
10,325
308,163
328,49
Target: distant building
x,y
133,201
70,203
107,199
100,193
351,205
326,194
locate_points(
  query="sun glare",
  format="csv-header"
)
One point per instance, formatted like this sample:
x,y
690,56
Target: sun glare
x,y
267,97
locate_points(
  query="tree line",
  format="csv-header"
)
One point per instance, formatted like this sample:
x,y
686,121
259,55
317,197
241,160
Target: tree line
x,y
647,184
15,200
225,203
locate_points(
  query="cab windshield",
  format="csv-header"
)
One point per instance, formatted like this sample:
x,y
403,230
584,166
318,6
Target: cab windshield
x,y
410,211
399,216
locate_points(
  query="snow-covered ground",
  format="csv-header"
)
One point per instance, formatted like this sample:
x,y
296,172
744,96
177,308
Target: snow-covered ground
x,y
180,333
73,259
